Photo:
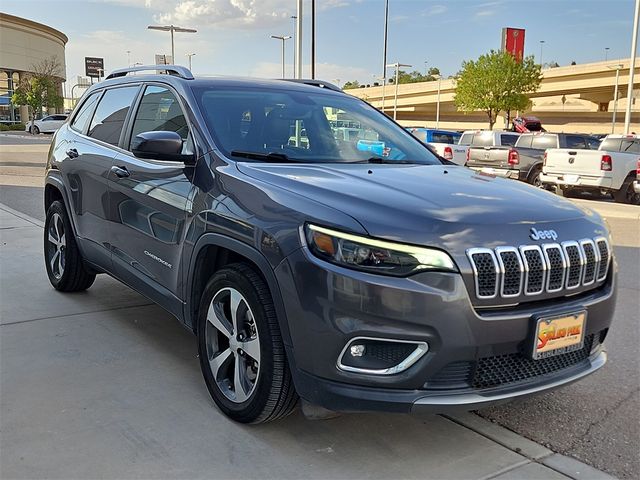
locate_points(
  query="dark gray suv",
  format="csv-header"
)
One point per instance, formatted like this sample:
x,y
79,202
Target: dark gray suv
x,y
357,272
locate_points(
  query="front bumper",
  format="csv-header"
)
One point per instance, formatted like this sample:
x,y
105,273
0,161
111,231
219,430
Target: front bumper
x,y
327,306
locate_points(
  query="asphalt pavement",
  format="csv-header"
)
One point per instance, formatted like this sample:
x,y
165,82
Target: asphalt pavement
x,y
105,384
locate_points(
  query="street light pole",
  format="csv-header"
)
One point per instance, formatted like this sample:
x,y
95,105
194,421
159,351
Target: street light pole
x,y
294,18
438,102
632,66
299,40
283,38
172,29
190,55
384,51
541,44
606,53
397,66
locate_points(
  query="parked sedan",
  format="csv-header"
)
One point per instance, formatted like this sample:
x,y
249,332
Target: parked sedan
x,y
47,124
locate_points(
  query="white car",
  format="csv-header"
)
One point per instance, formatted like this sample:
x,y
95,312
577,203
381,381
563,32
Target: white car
x,y
613,168
48,124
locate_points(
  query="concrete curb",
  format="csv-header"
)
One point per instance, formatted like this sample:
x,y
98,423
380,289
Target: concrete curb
x,y
537,453
22,216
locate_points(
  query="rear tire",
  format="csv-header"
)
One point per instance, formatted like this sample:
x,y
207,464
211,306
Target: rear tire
x,y
627,194
63,260
534,177
241,351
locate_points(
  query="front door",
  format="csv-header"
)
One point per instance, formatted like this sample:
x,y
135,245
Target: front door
x,y
149,200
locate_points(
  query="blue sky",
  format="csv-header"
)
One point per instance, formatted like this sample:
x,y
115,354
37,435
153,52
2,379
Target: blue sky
x,y
234,35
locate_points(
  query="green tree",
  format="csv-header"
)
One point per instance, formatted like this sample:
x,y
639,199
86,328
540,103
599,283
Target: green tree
x,y
351,84
496,82
39,89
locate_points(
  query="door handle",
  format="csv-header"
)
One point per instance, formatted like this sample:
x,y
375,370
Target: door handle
x,y
72,153
120,172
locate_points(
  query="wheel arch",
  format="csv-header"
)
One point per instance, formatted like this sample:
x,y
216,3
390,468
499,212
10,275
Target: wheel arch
x,y
212,252
54,190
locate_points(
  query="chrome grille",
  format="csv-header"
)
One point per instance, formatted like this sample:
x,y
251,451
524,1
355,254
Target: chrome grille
x,y
533,270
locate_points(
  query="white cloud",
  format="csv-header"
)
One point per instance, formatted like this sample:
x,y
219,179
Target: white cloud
x,y
435,10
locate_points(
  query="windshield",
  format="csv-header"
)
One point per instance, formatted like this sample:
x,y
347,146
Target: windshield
x,y
312,127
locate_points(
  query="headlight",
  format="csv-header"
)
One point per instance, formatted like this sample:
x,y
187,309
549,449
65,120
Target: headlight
x,y
371,255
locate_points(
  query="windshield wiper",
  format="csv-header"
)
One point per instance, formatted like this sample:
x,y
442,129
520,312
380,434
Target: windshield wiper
x,y
269,157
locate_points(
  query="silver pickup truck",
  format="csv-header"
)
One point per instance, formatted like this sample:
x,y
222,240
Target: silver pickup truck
x,y
523,161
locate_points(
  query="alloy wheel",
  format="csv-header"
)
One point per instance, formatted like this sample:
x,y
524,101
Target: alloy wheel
x,y
57,245
233,345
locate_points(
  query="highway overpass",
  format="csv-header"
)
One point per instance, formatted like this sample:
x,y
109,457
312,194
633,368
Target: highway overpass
x,y
572,98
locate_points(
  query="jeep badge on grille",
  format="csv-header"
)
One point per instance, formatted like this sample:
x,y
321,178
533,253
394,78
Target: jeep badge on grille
x,y
543,234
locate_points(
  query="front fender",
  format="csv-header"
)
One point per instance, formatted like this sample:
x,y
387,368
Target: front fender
x,y
253,255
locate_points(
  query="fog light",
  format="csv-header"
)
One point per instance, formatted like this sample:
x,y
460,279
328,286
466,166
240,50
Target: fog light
x,y
356,350
380,356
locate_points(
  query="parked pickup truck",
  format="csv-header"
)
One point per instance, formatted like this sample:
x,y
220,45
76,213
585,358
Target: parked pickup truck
x,y
523,161
443,142
613,168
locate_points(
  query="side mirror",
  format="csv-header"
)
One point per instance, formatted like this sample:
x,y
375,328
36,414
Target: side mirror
x,y
159,145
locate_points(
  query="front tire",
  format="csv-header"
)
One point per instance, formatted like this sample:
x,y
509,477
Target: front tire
x,y
63,261
241,351
35,130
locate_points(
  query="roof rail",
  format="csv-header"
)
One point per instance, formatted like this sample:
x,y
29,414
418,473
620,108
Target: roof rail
x,y
175,70
315,83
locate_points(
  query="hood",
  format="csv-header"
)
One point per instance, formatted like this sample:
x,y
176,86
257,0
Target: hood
x,y
430,204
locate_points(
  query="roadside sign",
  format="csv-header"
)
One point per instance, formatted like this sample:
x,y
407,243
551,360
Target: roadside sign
x,y
94,67
513,42
164,59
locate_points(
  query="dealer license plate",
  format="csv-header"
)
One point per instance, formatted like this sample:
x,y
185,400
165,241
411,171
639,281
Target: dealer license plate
x,y
558,335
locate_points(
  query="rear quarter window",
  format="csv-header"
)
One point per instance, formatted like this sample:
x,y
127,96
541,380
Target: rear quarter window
x,y
524,141
83,117
508,140
611,144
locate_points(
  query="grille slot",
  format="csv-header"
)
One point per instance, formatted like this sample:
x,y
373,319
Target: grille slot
x,y
603,250
512,368
535,266
531,270
591,261
557,266
512,271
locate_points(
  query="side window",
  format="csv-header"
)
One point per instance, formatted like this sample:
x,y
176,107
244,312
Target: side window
x,y
629,146
160,110
47,119
542,142
611,145
111,113
81,120
508,140
575,141
635,147
60,118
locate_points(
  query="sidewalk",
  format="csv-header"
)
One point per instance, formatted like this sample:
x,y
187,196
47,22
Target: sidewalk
x,y
105,384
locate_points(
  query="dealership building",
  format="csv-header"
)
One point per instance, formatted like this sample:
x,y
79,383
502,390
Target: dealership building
x,y
25,44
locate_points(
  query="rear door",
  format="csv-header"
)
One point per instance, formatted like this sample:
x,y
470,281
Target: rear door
x,y
90,158
150,199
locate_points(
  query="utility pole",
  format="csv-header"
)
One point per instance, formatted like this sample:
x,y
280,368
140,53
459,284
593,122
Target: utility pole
x,y
293,34
313,39
395,101
632,66
283,38
438,102
384,51
299,40
172,29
